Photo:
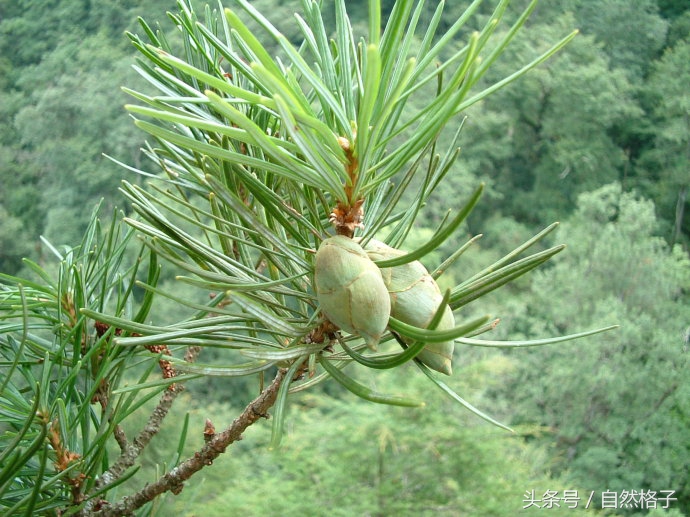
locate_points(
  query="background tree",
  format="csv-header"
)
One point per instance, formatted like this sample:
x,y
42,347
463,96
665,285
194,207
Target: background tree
x,y
69,117
631,46
61,67
552,151
668,162
608,431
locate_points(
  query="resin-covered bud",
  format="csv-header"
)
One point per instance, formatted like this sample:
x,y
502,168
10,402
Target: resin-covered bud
x,y
415,298
350,289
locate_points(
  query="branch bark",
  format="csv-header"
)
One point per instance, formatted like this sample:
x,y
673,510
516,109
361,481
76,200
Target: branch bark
x,y
131,451
173,480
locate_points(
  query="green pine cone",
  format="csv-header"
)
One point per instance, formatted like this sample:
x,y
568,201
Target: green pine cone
x,y
415,298
350,289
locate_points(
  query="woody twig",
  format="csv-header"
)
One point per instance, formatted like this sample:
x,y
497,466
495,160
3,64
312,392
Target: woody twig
x,y
215,445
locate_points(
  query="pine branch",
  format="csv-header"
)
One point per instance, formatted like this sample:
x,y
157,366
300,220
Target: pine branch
x,y
216,444
262,160
131,451
134,449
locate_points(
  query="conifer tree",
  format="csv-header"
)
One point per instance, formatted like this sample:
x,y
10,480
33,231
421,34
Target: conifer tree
x,y
278,194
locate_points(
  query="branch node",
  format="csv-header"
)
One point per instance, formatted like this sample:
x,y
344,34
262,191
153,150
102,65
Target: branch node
x,y
209,431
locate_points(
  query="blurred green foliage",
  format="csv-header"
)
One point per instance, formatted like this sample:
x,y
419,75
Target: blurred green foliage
x,y
345,459
617,409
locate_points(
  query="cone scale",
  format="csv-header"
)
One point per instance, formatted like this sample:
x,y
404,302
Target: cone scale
x,y
415,298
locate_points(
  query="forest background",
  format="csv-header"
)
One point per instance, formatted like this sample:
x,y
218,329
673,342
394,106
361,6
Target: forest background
x,y
597,138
